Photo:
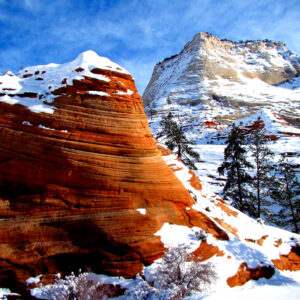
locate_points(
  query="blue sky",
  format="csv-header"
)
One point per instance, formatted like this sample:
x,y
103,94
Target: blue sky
x,y
134,33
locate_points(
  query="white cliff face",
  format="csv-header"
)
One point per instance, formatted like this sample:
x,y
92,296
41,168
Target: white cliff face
x,y
222,81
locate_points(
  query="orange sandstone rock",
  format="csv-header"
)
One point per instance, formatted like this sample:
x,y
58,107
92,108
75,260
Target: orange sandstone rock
x,y
261,240
206,251
245,274
290,262
228,227
195,183
225,208
278,242
71,183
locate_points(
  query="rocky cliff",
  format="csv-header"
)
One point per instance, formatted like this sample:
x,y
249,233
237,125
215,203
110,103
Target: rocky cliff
x,y
213,83
82,183
221,81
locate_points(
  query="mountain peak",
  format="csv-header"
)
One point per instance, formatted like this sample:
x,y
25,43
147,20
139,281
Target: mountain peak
x,y
35,87
223,78
90,59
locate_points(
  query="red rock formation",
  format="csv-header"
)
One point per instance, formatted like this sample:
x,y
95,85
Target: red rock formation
x,y
290,262
245,274
71,180
228,227
194,181
206,251
259,241
226,208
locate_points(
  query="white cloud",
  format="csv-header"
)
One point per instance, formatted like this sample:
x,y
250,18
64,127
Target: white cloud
x,y
137,34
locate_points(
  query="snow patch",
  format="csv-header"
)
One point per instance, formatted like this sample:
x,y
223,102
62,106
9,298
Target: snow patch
x,y
141,211
42,80
27,123
34,280
44,127
128,92
98,93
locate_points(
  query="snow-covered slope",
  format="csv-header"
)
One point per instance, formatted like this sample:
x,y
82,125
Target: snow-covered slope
x,y
34,87
213,83
249,241
219,80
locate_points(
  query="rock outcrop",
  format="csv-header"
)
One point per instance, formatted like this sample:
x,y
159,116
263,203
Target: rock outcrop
x,y
244,274
215,81
82,183
290,261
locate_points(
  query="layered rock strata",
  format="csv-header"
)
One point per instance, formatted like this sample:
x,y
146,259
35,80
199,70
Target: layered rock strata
x,y
82,183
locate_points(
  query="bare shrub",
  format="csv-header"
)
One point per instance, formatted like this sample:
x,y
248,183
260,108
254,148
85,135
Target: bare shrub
x,y
181,275
143,290
81,287
176,276
200,235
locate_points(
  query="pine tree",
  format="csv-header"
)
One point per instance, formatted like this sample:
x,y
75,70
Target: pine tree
x,y
262,165
235,164
175,139
286,194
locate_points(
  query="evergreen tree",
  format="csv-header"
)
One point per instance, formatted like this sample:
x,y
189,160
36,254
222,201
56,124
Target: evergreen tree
x,y
175,139
151,112
235,164
286,194
262,165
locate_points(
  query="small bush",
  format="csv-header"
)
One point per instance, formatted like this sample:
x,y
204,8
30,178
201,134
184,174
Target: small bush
x,y
81,287
181,275
200,235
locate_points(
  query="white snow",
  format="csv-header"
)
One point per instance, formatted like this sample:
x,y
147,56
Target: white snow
x,y
260,291
44,127
34,280
98,93
44,79
141,211
6,292
41,108
128,92
174,235
8,100
27,123
91,60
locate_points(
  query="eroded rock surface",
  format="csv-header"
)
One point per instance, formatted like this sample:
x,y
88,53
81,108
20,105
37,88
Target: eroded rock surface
x,y
244,274
77,161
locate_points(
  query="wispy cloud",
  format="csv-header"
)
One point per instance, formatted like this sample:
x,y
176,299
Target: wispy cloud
x,y
134,33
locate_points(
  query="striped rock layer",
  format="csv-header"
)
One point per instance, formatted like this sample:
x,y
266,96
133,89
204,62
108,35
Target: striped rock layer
x,y
82,183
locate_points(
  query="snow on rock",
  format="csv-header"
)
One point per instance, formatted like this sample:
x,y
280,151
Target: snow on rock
x,y
214,81
34,87
4,293
142,211
251,248
272,123
128,92
250,241
98,93
34,280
